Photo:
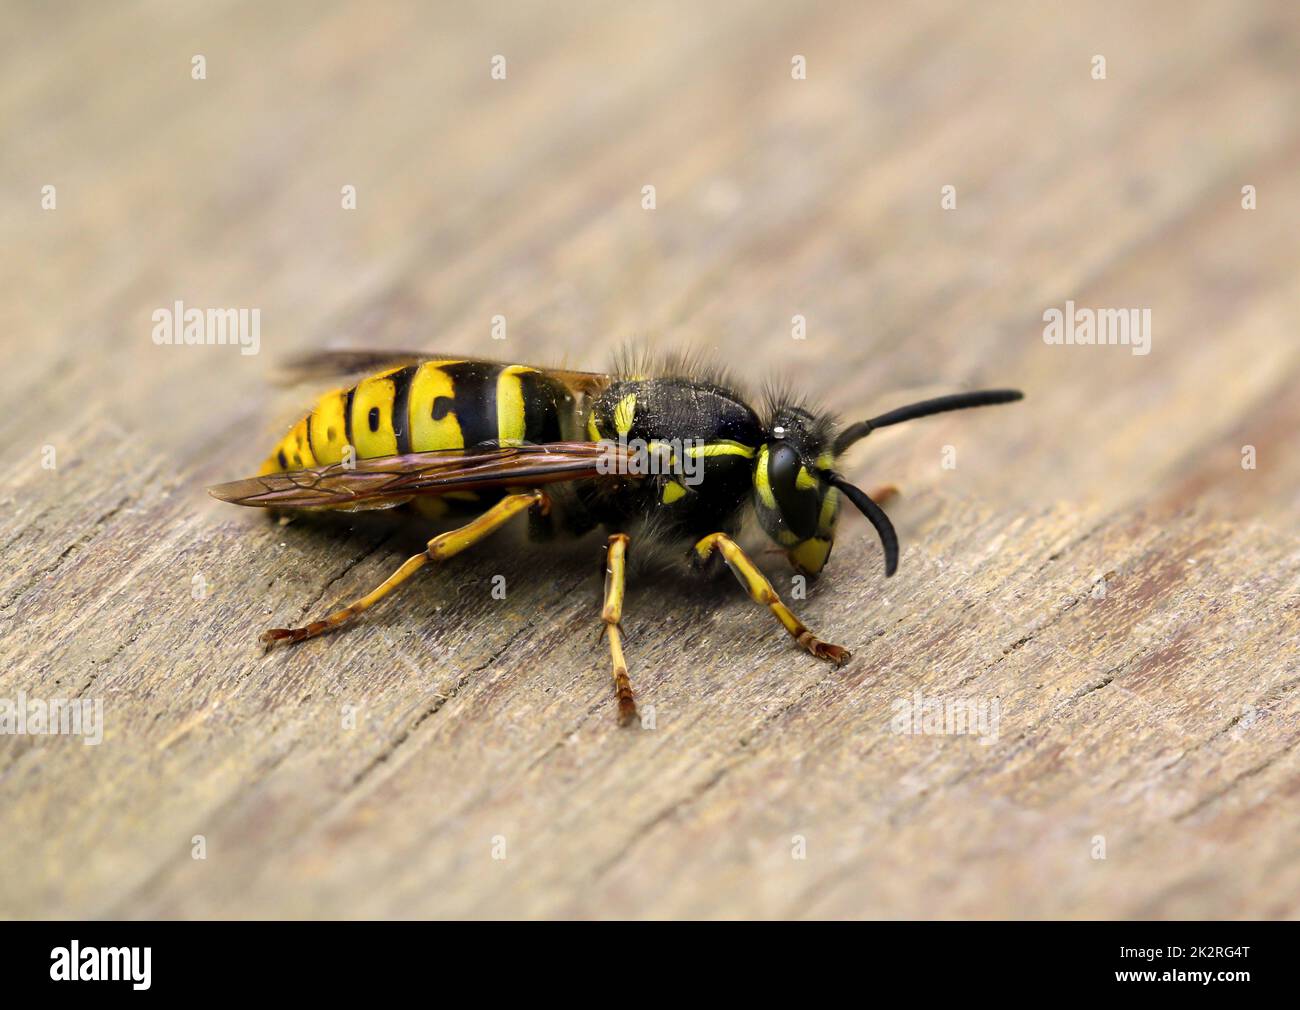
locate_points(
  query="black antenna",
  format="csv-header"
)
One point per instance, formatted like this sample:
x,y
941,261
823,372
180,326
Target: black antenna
x,y
874,513
940,404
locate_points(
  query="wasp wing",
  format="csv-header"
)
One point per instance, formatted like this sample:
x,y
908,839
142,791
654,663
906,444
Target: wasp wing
x,y
387,481
318,365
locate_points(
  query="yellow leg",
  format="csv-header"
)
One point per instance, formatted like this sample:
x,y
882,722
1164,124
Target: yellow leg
x,y
612,614
441,547
761,591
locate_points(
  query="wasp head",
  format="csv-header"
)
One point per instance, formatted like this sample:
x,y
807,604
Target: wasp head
x,y
796,506
797,491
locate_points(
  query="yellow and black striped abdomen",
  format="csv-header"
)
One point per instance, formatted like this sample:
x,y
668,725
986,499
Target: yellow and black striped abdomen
x,y
445,404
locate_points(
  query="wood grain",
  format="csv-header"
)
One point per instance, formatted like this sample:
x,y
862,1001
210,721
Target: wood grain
x,y
1098,563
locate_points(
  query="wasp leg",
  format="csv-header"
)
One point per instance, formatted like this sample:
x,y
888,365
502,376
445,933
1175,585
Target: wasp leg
x,y
883,493
441,547
761,591
612,614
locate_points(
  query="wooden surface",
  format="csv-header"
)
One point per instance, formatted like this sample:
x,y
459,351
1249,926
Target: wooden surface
x,y
1098,563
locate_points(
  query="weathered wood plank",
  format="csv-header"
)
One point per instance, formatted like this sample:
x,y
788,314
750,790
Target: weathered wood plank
x,y
1098,564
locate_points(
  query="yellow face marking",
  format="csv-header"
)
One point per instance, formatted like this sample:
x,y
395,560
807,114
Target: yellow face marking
x,y
428,434
830,510
329,433
510,405
673,490
826,461
593,429
624,413
804,480
722,447
761,482
374,394
810,556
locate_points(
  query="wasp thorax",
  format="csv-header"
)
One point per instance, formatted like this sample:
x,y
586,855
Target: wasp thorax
x,y
795,505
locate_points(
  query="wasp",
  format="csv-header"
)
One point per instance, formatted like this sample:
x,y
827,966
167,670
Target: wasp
x,y
665,455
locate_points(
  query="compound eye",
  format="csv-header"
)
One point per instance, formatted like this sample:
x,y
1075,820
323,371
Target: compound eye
x,y
798,505
782,465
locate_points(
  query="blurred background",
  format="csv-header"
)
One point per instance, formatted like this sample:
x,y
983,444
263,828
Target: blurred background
x,y
775,197
874,202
